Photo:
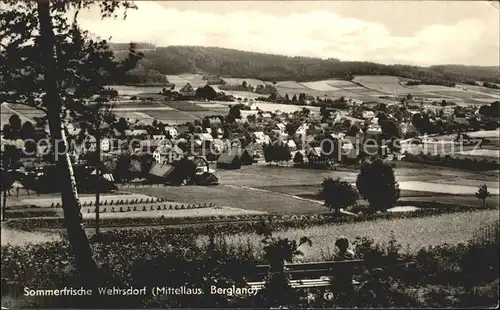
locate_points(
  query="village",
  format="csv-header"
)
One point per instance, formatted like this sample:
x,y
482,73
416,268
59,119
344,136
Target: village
x,y
165,154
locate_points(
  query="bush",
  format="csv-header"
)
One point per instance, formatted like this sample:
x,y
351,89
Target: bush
x,y
436,276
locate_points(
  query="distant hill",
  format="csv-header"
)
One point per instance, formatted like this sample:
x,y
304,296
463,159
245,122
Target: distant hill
x,y
235,63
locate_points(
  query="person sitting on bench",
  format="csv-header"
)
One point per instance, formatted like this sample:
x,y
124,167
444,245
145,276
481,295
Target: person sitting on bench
x,y
342,281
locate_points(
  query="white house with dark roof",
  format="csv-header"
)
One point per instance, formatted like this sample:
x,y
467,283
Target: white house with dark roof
x,y
261,138
167,154
172,131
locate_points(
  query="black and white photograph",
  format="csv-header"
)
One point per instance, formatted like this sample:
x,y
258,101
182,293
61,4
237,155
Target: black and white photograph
x,y
249,154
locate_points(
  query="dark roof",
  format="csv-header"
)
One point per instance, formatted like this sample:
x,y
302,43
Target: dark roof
x,y
229,161
227,158
246,157
207,179
162,171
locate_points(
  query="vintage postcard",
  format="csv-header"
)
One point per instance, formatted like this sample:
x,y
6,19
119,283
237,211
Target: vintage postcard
x,y
249,154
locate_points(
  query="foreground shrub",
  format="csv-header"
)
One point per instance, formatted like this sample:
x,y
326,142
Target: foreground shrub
x,y
437,276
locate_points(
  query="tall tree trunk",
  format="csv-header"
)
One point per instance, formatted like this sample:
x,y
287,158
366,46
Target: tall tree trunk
x,y
97,172
4,204
69,195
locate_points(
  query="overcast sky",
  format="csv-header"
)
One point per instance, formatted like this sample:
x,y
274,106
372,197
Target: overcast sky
x,y
410,32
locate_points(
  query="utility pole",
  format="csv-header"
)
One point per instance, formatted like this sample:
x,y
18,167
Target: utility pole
x,y
105,110
98,174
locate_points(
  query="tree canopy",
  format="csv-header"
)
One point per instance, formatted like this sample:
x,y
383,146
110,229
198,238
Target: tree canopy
x,y
271,68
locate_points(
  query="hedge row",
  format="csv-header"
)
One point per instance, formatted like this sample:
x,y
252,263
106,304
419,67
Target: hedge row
x,y
236,223
453,162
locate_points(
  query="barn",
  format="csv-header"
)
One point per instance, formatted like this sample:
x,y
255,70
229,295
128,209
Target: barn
x,y
229,161
160,173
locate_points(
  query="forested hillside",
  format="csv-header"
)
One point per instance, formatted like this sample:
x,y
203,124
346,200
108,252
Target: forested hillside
x,y
234,63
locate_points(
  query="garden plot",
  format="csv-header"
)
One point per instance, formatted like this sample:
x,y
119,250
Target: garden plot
x,y
465,95
171,116
136,109
132,115
382,83
238,81
210,105
47,202
135,90
321,85
290,84
202,212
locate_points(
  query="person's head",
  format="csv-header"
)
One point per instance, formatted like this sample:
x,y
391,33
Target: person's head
x,y
342,243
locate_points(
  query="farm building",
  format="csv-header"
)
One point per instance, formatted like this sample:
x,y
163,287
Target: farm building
x,y
171,131
158,137
292,145
229,161
187,90
167,154
302,129
87,181
281,127
206,179
160,173
368,114
261,138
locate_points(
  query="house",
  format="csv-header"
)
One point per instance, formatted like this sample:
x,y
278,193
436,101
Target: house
x,y
229,161
104,172
281,127
302,129
368,114
136,132
374,129
291,145
72,130
171,131
219,131
261,138
167,154
158,137
217,145
348,149
201,138
187,90
160,173
267,115
105,144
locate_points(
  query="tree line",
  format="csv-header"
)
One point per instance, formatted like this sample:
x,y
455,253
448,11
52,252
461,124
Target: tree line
x,y
268,67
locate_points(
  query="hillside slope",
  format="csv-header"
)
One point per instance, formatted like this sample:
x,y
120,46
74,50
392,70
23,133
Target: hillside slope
x,y
268,67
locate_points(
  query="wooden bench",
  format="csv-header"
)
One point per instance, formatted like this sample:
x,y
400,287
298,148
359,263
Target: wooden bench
x,y
306,275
